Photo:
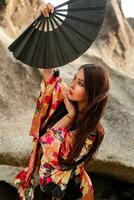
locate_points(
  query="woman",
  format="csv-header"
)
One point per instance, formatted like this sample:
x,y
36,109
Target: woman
x,y
67,133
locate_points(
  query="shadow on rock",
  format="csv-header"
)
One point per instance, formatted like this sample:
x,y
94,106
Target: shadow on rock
x,y
7,191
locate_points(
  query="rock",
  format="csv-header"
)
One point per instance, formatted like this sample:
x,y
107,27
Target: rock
x,y
115,43
131,22
19,88
18,14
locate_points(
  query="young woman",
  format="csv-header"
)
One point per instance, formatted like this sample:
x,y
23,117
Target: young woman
x,y
67,133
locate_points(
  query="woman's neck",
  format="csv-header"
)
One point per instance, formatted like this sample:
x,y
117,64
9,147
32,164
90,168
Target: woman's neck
x,y
81,107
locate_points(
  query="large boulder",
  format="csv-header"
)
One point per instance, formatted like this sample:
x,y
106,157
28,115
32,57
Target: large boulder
x,y
18,14
115,43
18,91
131,22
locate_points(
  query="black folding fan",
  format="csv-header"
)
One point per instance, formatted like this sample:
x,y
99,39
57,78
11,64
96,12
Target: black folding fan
x,y
63,36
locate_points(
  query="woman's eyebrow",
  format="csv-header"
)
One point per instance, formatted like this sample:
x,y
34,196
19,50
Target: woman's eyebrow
x,y
79,78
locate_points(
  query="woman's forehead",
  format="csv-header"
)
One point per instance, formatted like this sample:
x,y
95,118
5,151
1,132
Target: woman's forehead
x,y
80,74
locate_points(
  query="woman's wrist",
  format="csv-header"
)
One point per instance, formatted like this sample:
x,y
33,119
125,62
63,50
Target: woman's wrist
x,y
71,116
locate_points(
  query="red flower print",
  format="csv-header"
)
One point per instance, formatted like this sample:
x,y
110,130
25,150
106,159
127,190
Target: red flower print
x,y
55,104
55,155
38,103
54,162
47,99
59,78
49,139
63,132
47,165
60,131
51,81
63,149
25,185
41,180
58,87
20,197
21,175
48,180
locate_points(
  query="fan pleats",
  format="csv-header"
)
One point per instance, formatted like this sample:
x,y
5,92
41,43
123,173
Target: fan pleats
x,y
62,37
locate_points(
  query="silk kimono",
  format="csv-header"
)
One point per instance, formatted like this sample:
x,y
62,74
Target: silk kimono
x,y
54,142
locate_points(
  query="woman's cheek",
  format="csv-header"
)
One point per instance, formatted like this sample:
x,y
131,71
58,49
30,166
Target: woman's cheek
x,y
78,94
81,95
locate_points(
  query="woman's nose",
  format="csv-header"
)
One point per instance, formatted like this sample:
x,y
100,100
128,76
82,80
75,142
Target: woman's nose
x,y
72,84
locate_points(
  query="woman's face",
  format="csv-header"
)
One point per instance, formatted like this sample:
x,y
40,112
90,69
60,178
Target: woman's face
x,y
77,87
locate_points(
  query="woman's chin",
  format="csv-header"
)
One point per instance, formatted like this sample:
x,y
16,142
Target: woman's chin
x,y
70,97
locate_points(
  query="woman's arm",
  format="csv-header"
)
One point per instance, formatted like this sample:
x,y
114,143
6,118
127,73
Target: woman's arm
x,y
46,8
47,74
68,119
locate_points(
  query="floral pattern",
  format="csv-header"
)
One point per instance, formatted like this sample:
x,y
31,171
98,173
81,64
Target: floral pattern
x,y
55,142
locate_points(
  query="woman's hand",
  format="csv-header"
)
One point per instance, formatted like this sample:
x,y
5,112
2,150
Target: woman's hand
x,y
47,74
46,9
69,105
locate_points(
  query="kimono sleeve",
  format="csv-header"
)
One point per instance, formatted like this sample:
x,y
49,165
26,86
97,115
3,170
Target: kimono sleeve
x,y
68,143
51,142
42,89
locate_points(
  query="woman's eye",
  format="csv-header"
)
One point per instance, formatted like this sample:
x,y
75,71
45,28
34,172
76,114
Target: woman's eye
x,y
80,83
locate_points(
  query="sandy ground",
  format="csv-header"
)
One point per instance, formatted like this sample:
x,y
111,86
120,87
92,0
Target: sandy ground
x,y
105,188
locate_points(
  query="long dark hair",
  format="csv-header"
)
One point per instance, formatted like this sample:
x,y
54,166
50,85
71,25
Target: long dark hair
x,y
97,87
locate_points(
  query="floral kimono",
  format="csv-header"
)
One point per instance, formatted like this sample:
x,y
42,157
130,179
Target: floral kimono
x,y
55,142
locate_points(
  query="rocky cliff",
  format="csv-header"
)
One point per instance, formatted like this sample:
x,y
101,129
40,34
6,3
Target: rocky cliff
x,y
131,22
18,14
19,88
115,43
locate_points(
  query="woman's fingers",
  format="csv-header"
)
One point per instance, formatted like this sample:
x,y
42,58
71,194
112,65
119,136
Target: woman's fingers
x,y
64,88
69,106
46,9
45,12
42,9
50,8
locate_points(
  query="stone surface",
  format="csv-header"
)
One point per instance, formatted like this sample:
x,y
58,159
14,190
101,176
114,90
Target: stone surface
x,y
18,91
131,22
115,43
17,15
